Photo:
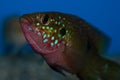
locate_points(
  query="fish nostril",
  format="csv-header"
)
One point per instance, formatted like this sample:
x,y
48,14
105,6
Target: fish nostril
x,y
37,23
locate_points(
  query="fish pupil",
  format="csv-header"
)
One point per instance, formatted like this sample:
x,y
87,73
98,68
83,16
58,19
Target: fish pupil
x,y
62,31
45,19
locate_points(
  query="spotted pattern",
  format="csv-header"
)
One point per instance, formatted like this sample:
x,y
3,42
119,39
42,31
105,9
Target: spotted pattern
x,y
51,32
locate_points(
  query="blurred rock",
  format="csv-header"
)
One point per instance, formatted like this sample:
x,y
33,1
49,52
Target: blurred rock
x,y
28,67
115,58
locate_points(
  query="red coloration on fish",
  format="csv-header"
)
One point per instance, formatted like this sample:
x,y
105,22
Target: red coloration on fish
x,y
68,42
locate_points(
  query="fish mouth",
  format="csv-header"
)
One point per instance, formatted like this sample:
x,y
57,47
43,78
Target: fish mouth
x,y
35,39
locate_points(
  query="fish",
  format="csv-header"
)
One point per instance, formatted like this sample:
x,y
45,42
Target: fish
x,y
69,43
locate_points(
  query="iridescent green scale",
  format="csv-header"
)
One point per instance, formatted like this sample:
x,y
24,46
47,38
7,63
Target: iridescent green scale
x,y
55,31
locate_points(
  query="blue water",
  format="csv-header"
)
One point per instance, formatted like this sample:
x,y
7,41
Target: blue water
x,y
104,14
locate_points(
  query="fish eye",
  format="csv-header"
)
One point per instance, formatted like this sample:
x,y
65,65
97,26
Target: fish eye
x,y
63,31
45,19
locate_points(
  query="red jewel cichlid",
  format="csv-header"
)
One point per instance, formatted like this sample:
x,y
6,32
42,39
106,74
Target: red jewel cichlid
x,y
69,43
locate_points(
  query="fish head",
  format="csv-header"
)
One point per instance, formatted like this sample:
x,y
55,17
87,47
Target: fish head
x,y
47,32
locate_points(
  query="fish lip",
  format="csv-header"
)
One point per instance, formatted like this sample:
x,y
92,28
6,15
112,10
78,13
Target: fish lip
x,y
25,23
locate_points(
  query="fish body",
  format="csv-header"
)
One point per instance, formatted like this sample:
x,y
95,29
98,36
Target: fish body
x,y
70,43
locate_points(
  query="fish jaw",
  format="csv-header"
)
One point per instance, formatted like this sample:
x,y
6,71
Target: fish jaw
x,y
35,38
